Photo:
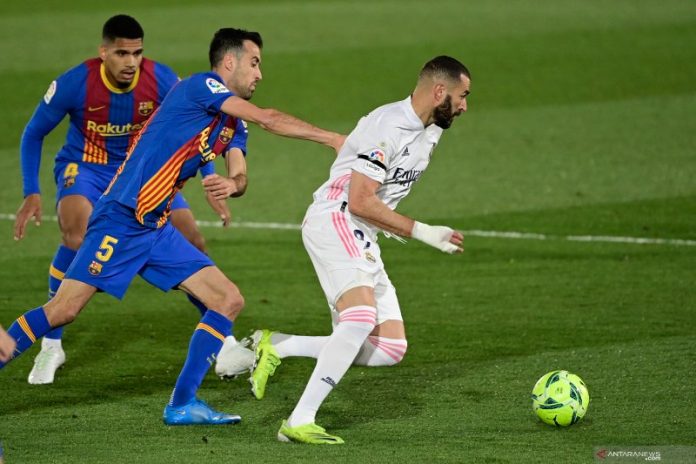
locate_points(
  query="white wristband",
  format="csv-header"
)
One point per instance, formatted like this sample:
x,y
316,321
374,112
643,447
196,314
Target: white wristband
x,y
435,236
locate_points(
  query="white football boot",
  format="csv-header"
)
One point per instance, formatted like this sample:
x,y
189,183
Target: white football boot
x,y
235,358
46,364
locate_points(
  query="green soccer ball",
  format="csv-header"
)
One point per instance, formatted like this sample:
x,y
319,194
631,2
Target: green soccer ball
x,y
560,398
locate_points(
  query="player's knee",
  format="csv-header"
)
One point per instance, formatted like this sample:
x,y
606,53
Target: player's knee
x,y
61,313
232,303
399,355
73,239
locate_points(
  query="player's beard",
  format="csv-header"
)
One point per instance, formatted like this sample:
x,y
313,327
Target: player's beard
x,y
444,113
123,84
244,93
238,87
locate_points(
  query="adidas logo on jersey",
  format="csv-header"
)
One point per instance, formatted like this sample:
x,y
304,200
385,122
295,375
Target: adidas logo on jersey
x,y
405,152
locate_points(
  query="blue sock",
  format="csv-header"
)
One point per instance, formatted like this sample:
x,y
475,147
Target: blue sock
x,y
28,328
61,262
205,344
197,303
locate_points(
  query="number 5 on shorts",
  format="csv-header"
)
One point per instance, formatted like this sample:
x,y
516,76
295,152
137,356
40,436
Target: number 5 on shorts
x,y
106,249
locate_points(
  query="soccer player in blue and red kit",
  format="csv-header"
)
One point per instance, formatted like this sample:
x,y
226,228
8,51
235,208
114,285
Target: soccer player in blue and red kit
x,y
108,99
129,232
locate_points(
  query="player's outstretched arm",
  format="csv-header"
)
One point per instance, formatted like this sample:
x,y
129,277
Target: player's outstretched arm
x,y
280,123
363,202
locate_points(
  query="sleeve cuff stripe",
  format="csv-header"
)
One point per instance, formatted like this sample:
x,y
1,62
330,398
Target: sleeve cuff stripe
x,y
373,161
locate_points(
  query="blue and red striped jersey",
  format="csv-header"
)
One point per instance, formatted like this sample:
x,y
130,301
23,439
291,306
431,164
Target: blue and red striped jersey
x,y
103,119
186,132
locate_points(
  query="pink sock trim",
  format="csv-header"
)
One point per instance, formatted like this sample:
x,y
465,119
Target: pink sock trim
x,y
396,349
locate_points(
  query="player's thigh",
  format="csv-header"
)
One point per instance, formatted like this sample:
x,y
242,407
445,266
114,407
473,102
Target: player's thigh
x,y
172,259
112,254
390,322
356,296
78,187
215,290
73,215
346,276
182,219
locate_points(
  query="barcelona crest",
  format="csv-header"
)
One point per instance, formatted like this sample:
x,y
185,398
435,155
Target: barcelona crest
x,y
146,107
95,268
226,135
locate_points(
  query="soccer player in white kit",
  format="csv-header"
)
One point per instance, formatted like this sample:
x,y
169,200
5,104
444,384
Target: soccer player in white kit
x,y
380,161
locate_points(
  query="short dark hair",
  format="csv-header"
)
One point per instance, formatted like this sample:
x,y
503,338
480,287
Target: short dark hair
x,y
445,67
122,27
229,38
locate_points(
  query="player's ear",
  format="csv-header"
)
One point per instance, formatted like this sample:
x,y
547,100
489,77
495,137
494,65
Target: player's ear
x,y
439,92
230,61
102,52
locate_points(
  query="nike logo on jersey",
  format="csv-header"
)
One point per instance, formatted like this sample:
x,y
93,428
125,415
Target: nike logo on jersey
x,y
95,108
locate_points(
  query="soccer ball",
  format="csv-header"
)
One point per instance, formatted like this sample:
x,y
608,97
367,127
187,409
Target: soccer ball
x,y
560,398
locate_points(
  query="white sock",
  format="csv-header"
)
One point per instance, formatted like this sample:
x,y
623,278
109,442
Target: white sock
x,y
354,325
381,351
298,345
51,343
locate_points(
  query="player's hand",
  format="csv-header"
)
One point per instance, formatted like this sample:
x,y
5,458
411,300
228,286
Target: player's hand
x,y
457,239
7,346
221,209
30,208
441,237
337,142
219,187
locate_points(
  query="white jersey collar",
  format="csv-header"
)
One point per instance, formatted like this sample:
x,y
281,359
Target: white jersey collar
x,y
411,113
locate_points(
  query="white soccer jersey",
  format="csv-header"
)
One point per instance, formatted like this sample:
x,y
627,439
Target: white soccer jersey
x,y
389,145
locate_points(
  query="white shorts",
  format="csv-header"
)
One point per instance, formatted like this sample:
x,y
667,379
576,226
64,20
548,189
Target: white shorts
x,y
345,258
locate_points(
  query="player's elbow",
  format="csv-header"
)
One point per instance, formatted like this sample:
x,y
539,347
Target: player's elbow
x,y
358,205
269,119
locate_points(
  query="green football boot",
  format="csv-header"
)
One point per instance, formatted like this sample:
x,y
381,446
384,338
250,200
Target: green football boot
x,y
267,360
308,433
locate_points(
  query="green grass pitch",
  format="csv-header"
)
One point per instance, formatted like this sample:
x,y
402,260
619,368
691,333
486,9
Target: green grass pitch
x,y
580,123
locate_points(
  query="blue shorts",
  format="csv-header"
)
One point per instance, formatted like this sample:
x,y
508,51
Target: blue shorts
x,y
117,247
90,180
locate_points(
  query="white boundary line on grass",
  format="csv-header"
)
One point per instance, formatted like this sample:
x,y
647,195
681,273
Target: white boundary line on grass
x,y
475,233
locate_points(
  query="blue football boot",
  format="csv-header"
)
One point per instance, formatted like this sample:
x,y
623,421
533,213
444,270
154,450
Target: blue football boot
x,y
197,412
